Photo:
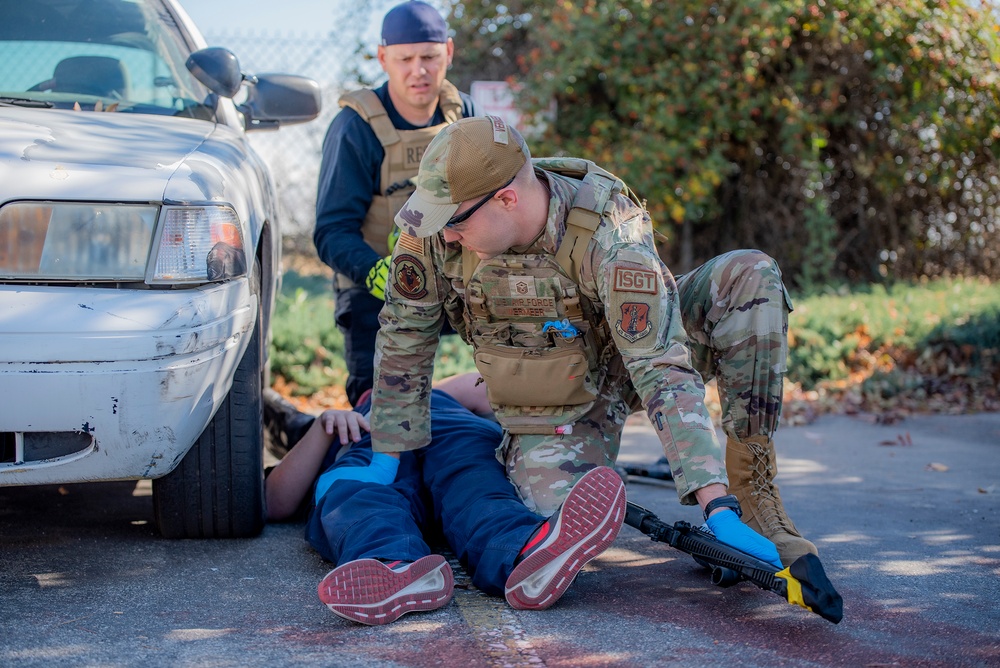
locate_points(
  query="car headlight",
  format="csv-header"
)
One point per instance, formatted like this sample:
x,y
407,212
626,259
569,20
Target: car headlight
x,y
51,241
199,244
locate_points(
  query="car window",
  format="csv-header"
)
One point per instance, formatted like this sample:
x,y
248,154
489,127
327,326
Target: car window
x,y
103,55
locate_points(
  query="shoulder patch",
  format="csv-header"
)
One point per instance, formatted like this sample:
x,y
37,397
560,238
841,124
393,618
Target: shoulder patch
x,y
409,276
412,243
634,279
634,323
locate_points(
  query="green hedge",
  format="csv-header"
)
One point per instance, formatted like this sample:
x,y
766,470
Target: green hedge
x,y
307,349
881,329
905,338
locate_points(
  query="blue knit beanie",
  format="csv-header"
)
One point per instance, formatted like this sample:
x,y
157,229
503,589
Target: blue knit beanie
x,y
413,22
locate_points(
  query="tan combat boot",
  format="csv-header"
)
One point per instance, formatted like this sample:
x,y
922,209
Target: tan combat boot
x,y
751,467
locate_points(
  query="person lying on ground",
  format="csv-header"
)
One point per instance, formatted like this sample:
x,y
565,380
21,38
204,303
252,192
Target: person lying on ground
x,y
376,516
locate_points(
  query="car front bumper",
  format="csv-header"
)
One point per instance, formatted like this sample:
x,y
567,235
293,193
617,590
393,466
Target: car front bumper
x,y
106,384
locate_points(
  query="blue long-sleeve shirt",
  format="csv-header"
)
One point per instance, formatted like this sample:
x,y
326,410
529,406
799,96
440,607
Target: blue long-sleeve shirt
x,y
349,177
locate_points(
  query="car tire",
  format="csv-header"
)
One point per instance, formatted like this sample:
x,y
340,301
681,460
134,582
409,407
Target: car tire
x,y
217,491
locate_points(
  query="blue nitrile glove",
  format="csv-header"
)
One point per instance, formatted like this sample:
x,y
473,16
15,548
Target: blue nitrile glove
x,y
729,529
563,328
381,471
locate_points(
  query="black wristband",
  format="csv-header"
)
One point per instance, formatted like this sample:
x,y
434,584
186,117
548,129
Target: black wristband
x,y
728,501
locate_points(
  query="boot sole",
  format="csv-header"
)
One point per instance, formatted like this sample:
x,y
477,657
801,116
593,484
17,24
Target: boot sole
x,y
369,592
588,522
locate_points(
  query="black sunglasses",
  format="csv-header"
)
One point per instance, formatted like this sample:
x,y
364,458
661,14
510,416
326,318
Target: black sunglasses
x,y
464,216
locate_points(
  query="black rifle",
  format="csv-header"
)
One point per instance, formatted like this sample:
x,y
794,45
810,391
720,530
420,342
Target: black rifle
x,y
804,583
659,470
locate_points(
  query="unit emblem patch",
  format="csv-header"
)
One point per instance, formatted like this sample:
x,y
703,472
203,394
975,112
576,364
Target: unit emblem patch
x,y
634,323
409,277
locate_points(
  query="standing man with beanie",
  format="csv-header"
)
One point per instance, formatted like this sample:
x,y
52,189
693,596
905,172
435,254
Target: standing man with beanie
x,y
548,270
371,151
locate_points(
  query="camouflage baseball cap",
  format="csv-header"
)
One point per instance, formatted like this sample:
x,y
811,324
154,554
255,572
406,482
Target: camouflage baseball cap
x,y
467,160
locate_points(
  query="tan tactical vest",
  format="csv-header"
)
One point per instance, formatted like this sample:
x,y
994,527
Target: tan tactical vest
x,y
541,346
403,150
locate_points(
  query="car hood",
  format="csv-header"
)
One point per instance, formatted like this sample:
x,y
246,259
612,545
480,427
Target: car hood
x,y
68,155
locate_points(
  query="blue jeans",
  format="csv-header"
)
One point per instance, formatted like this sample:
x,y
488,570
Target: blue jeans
x,y
455,486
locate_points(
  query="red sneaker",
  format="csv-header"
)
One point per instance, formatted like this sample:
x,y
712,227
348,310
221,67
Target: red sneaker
x,y
370,592
585,525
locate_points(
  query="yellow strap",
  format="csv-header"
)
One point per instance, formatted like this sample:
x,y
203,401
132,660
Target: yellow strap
x,y
794,588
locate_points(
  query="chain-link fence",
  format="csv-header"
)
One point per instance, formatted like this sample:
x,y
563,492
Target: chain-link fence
x,y
294,151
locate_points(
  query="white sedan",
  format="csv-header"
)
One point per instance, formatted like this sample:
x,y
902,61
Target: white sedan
x,y
139,257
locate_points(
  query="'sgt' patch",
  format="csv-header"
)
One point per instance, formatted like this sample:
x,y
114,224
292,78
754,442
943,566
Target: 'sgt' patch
x,y
409,277
628,279
634,323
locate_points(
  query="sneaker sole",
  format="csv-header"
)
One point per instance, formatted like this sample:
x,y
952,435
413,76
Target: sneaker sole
x,y
588,522
369,592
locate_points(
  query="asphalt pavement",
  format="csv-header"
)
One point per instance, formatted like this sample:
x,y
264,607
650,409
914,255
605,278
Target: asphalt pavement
x,y
905,516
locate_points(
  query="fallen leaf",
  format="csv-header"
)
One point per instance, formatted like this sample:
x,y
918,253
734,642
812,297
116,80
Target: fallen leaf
x,y
934,466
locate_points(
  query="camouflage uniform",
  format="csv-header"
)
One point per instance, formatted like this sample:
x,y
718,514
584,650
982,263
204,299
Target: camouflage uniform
x,y
735,310
651,364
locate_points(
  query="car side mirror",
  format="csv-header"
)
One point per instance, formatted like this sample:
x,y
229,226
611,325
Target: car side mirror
x,y
217,68
280,99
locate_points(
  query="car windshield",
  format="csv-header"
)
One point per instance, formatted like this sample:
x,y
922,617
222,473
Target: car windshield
x,y
97,55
